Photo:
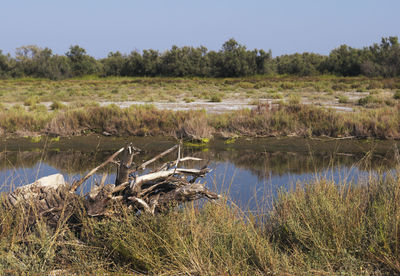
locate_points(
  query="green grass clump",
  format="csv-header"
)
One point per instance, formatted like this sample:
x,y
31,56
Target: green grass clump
x,y
38,108
396,95
246,85
343,99
31,101
370,99
294,99
57,105
216,98
188,100
276,96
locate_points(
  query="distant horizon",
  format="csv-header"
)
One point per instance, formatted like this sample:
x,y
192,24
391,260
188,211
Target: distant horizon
x,y
284,27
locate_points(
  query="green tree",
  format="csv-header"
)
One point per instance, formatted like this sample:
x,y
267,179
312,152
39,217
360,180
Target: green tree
x,y
345,61
81,63
41,63
185,61
151,62
264,62
6,65
114,64
134,65
235,60
306,64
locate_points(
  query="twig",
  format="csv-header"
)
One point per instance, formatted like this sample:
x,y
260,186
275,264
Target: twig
x,y
145,164
76,184
188,158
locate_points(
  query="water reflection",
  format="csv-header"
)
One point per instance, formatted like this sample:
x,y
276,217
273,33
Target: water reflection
x,y
247,170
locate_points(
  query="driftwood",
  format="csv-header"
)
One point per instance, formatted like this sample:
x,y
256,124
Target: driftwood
x,y
150,192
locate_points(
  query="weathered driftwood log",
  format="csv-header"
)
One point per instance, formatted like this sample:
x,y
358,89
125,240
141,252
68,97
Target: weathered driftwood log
x,y
47,198
54,199
126,164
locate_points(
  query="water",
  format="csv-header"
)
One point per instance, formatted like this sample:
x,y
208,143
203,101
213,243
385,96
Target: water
x,y
249,171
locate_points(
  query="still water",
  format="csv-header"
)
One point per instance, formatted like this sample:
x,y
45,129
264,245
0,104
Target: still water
x,y
249,171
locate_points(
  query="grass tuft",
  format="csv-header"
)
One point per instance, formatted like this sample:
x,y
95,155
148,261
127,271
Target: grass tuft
x,y
319,227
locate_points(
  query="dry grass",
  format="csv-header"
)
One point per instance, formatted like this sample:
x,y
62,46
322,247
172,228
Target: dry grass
x,y
317,228
264,120
29,91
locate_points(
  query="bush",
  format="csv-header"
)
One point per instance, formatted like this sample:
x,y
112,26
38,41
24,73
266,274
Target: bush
x,y
276,96
343,99
246,85
367,100
216,98
188,100
390,102
294,99
57,105
339,87
31,101
396,95
38,108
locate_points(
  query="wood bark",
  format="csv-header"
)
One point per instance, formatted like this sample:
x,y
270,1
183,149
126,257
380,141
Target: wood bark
x,y
125,164
157,191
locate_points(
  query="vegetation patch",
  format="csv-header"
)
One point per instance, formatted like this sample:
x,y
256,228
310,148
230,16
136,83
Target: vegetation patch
x,y
144,120
343,99
319,227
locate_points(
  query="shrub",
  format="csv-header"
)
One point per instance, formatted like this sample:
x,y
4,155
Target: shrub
x,y
38,108
343,99
287,86
294,99
276,96
374,85
57,105
390,102
339,87
246,85
31,101
216,98
396,95
188,100
367,100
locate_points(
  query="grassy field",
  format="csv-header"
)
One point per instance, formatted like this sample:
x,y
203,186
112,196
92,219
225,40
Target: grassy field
x,y
324,89
291,119
282,106
317,228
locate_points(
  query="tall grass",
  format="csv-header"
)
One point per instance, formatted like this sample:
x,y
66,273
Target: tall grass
x,y
282,120
319,227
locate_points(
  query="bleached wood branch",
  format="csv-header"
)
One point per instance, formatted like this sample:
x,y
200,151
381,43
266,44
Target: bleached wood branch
x,y
145,164
75,185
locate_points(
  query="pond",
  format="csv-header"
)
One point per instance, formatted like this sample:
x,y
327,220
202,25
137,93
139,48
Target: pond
x,y
250,171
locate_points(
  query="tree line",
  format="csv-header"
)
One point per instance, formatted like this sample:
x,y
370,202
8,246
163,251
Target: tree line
x,y
232,60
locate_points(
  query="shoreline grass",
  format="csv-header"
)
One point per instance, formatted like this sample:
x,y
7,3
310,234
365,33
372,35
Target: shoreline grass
x,y
291,119
318,228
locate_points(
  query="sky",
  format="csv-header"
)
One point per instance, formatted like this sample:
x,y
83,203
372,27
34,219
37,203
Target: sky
x,y
283,26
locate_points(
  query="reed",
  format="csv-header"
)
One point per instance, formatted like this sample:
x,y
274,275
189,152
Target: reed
x,y
282,120
319,227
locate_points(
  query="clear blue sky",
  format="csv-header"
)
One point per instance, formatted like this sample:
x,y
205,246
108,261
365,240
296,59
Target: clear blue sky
x,y
284,26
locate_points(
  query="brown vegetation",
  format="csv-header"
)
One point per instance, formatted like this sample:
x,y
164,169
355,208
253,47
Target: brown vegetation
x,y
264,120
318,228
